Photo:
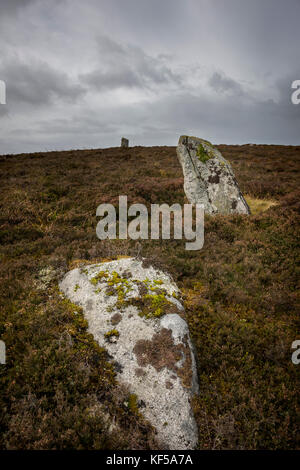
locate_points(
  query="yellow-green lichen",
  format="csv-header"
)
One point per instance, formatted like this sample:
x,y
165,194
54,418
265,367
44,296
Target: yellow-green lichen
x,y
99,277
157,304
202,154
109,334
151,303
176,295
153,300
119,286
77,286
116,285
133,403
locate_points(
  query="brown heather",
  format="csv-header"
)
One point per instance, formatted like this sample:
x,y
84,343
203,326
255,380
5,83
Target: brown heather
x,y
58,390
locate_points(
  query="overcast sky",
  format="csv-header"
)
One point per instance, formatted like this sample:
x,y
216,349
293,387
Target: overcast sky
x,y
82,74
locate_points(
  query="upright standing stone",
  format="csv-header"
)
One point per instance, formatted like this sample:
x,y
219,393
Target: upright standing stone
x,y
124,143
209,178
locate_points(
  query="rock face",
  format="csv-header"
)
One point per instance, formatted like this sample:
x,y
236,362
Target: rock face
x,y
209,178
134,311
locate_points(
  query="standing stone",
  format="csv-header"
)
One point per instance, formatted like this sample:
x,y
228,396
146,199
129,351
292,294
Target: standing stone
x,y
135,312
124,143
209,178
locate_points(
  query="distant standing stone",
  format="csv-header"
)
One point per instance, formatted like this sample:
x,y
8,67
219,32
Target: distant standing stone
x,y
124,143
208,178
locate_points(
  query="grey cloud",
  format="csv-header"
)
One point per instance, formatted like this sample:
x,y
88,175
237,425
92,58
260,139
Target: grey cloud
x,y
288,112
36,83
128,66
162,121
230,120
178,59
3,110
221,83
9,7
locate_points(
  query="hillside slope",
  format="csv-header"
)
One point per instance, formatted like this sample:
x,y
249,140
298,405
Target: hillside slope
x,y
57,389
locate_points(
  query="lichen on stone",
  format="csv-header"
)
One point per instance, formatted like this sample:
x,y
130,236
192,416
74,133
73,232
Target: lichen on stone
x,y
99,277
208,178
202,154
116,318
133,403
111,334
115,285
154,305
161,351
152,301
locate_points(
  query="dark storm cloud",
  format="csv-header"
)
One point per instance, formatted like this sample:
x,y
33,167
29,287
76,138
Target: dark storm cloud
x,y
36,83
127,66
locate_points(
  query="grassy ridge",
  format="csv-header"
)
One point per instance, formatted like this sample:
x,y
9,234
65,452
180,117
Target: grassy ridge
x,y
58,390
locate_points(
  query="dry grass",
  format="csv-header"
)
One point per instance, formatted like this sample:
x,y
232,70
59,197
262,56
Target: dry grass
x,y
241,291
259,205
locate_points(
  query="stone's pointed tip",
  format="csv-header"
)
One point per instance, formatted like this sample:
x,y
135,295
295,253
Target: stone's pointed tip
x,y
185,139
182,139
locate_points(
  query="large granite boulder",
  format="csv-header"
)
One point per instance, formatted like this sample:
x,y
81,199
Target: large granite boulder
x,y
135,312
209,178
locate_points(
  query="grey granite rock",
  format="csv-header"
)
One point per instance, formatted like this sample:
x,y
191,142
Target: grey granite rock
x,y
208,178
135,312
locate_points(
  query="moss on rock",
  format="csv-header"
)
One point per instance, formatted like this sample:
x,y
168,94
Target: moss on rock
x,y
202,154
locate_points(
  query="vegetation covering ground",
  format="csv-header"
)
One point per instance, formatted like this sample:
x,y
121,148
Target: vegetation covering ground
x,y
58,390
